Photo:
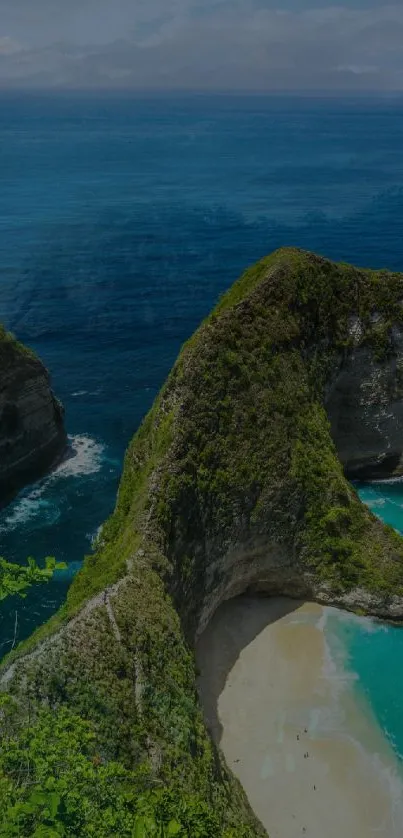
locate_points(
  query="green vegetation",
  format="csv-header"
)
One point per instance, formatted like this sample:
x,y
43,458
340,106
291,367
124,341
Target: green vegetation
x,y
236,455
9,346
54,782
17,579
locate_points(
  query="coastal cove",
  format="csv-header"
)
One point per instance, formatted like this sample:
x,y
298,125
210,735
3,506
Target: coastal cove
x,y
158,208
221,531
282,679
295,725
306,703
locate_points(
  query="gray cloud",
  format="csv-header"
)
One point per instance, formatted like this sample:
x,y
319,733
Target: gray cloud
x,y
242,44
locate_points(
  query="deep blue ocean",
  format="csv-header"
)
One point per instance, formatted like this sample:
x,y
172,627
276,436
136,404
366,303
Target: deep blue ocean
x,y
122,221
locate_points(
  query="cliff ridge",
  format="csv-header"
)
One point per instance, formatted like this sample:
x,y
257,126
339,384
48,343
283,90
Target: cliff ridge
x,y
237,481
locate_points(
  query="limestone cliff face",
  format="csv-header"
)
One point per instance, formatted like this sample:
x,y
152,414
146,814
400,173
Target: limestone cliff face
x,y
32,434
365,408
234,482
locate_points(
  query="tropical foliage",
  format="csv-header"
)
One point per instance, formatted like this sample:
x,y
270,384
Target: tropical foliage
x,y
17,579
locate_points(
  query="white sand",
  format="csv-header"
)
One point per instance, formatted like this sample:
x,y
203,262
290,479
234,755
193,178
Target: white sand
x,y
271,694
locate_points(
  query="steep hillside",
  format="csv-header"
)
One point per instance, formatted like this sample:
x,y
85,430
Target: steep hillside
x,y
234,482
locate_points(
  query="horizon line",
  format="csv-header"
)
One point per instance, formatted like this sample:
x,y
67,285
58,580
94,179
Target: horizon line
x,y
176,91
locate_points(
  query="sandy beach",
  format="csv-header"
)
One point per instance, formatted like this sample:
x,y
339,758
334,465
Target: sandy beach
x,y
307,750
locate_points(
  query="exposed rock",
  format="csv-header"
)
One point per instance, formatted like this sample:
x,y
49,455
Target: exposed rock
x,y
233,483
32,435
365,409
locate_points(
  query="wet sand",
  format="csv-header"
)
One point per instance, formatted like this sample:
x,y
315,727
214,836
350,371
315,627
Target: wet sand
x,y
306,749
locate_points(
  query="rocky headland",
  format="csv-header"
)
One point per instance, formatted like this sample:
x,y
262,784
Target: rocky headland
x,y
237,481
32,434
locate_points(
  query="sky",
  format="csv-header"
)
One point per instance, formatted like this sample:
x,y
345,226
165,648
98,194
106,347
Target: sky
x,y
261,45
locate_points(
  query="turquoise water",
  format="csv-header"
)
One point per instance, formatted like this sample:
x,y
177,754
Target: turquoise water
x,y
385,500
372,650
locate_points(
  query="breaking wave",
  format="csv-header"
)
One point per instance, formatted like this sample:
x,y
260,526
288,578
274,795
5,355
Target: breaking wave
x,y
84,457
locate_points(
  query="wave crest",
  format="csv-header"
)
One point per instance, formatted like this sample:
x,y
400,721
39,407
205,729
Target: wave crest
x,y
84,457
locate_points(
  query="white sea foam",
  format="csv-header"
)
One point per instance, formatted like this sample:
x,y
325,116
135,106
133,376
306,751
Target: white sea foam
x,y
95,537
338,677
386,480
368,624
78,393
376,502
386,768
333,720
84,457
28,506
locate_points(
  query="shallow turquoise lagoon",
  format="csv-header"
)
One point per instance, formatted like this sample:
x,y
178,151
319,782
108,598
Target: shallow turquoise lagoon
x,y
372,650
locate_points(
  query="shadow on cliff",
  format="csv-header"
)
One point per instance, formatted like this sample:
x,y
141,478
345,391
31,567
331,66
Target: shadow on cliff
x,y
234,626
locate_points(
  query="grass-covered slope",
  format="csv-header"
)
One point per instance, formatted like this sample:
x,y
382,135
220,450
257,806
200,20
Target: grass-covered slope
x,y
232,482
10,347
238,443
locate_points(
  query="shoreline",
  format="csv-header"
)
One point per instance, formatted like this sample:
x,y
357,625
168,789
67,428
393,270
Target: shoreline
x,y
305,746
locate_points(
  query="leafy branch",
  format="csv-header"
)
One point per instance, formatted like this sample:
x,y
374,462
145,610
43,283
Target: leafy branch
x,y
17,579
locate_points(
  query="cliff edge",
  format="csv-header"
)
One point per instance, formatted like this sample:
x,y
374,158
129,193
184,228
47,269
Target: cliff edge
x,y
32,434
236,481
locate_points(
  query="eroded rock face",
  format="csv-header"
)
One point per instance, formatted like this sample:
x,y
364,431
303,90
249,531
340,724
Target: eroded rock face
x,y
32,434
233,484
365,408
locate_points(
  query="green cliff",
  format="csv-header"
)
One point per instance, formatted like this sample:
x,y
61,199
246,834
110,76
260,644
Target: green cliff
x,y
234,482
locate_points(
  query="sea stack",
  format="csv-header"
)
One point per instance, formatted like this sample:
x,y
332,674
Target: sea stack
x,y
32,434
237,481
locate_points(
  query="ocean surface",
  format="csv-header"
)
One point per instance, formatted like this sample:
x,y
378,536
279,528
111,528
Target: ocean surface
x,y
122,221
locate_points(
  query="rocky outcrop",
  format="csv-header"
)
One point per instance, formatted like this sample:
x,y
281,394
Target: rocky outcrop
x,y
32,435
365,408
234,483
